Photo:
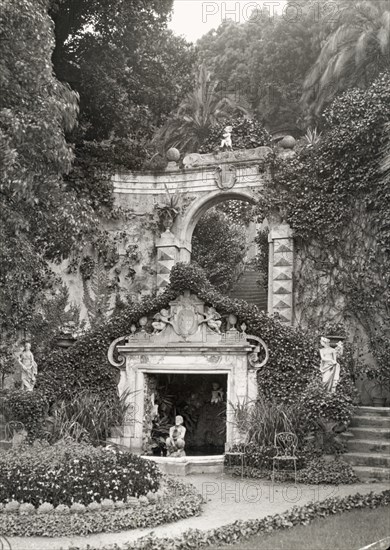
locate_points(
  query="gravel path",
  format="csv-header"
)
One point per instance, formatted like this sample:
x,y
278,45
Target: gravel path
x,y
228,499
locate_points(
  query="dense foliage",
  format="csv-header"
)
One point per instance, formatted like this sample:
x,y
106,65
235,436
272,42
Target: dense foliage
x,y
55,178
29,408
38,218
200,111
293,355
263,61
354,54
219,247
247,133
321,471
67,472
337,201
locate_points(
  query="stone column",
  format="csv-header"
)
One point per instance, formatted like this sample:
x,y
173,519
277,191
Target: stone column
x,y
281,264
168,251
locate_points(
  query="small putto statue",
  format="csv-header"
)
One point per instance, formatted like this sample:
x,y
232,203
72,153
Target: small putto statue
x,y
226,142
161,320
213,320
330,368
216,393
175,442
29,368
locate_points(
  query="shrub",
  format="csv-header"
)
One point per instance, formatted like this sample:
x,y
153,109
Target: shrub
x,y
29,408
45,508
62,510
334,472
318,403
11,506
93,506
77,508
26,509
67,472
87,417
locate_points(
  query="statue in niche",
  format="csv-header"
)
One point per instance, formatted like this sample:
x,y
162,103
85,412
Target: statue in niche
x,y
330,368
161,321
213,320
226,142
29,368
216,393
175,442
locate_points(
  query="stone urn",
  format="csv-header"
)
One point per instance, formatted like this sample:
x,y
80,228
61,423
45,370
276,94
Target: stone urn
x,y
288,142
334,339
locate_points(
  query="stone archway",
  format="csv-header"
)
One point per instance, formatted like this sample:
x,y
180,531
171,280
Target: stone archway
x,y
205,181
175,246
187,224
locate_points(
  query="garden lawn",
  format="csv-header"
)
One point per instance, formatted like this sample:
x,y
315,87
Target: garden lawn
x,y
347,531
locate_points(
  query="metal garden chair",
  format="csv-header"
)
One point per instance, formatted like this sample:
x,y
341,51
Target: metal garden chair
x,y
286,444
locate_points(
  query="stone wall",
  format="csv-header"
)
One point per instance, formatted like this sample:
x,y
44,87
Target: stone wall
x,y
159,242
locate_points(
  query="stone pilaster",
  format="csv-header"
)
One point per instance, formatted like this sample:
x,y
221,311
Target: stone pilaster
x,y
280,293
168,251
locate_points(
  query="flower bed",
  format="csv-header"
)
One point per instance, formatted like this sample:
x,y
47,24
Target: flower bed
x,y
172,502
68,472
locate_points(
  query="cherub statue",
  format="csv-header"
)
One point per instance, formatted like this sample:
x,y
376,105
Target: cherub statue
x,y
161,321
212,319
330,368
175,442
227,138
29,368
216,393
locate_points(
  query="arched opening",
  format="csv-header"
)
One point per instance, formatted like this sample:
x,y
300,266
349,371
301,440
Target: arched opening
x,y
226,246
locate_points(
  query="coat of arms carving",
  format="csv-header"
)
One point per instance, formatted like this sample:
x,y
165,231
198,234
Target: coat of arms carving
x,y
225,176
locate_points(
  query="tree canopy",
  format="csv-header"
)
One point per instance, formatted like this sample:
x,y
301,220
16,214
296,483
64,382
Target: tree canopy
x,y
39,219
354,53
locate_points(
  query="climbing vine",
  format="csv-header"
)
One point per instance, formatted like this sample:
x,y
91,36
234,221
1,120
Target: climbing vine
x,y
337,201
293,360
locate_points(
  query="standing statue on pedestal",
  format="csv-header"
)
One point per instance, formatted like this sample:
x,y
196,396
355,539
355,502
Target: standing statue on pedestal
x,y
330,368
175,442
28,367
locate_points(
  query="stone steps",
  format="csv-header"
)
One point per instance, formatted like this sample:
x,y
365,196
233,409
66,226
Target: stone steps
x,y
370,433
367,473
247,289
376,411
370,420
376,460
368,443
